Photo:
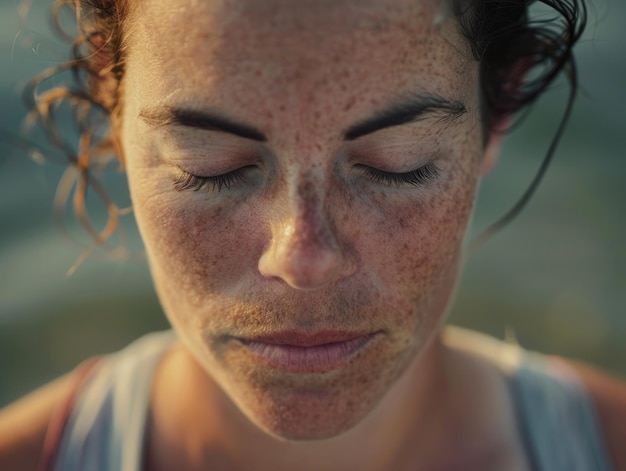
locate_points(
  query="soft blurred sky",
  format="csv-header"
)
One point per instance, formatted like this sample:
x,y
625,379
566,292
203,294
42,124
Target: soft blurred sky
x,y
556,277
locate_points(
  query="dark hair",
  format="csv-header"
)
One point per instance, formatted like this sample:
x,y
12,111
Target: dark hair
x,y
519,58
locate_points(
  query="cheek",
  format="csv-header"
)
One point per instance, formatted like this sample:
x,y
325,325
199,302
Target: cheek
x,y
418,242
418,238
197,246
415,251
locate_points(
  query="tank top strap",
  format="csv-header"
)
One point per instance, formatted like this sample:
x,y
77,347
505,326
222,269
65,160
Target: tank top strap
x,y
106,426
557,417
555,414
60,416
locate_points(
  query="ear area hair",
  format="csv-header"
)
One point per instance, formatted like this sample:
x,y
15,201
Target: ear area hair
x,y
501,119
101,68
104,72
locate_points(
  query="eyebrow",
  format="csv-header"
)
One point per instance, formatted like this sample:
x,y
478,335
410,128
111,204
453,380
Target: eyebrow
x,y
406,110
205,120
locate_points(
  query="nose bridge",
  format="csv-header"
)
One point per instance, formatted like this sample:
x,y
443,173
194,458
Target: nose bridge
x,y
312,225
306,250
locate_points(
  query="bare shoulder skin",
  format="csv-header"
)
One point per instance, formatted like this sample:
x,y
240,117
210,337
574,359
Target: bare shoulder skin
x,y
609,395
24,423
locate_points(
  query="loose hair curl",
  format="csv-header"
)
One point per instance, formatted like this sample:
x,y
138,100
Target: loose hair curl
x,y
518,57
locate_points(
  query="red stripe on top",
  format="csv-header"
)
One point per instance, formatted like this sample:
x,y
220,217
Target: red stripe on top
x,y
61,414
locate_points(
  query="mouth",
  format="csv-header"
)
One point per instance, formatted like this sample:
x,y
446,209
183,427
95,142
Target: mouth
x,y
307,353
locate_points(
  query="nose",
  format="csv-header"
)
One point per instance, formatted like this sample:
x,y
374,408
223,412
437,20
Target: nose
x,y
306,250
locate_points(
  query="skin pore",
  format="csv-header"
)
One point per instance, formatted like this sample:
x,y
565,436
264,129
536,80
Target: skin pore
x,y
322,219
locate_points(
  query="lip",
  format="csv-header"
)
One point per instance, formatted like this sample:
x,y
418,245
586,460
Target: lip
x,y
307,352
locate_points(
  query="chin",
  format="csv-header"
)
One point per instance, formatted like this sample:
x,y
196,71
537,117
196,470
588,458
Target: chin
x,y
307,417
307,407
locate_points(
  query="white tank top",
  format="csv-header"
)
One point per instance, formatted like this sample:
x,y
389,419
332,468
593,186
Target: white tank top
x,y
106,427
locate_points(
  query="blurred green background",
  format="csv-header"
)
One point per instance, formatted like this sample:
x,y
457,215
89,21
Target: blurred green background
x,y
556,277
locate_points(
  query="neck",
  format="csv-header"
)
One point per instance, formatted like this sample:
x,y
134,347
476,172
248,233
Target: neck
x,y
411,426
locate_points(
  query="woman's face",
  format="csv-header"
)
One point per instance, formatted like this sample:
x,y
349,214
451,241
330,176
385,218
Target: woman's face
x,y
302,174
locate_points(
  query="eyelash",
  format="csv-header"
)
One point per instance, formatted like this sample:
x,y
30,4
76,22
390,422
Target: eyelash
x,y
417,177
188,181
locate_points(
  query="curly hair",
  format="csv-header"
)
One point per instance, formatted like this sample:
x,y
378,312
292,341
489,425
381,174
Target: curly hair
x,y
519,57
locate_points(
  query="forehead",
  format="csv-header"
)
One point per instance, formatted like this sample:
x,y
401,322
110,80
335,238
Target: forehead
x,y
249,52
217,18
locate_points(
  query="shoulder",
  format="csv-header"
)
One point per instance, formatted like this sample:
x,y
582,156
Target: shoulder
x,y
609,397
23,424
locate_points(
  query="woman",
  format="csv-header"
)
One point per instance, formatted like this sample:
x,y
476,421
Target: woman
x,y
302,174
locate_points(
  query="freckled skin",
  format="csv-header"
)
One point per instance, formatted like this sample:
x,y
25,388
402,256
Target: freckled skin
x,y
309,243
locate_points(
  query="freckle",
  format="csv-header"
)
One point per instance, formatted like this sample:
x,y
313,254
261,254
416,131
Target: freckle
x,y
402,223
350,103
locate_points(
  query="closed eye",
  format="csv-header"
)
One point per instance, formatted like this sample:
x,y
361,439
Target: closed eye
x,y
188,181
418,177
